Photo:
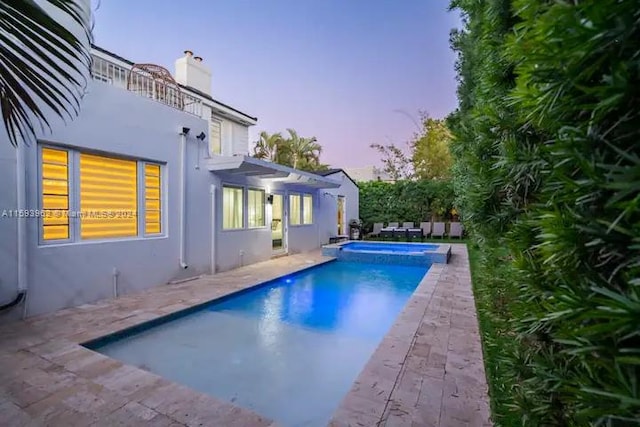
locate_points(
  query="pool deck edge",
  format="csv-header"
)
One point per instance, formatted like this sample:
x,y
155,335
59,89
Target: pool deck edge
x,y
48,378
428,370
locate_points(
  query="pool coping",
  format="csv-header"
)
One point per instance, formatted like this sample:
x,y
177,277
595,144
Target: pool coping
x,y
425,372
100,341
442,253
47,375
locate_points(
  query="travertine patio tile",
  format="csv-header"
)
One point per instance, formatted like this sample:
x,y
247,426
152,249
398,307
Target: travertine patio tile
x,y
60,383
127,380
361,405
12,415
345,417
445,339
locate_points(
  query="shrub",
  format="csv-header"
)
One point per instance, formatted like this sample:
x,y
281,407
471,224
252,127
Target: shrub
x,y
548,166
401,201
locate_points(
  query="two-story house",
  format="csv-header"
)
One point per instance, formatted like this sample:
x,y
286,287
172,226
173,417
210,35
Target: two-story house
x,y
150,184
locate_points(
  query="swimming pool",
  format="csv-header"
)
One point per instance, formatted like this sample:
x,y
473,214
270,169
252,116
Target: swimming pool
x,y
418,254
388,247
289,349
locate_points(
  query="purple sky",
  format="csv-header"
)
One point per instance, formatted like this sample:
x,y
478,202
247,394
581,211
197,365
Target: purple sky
x,y
338,70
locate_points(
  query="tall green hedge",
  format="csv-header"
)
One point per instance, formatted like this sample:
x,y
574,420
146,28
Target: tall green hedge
x,y
548,165
401,201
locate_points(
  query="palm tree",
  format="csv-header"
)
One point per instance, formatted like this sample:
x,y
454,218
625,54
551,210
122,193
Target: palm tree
x,y
43,65
269,147
304,151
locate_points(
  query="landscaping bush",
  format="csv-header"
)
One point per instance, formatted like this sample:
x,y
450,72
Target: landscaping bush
x,y
401,201
547,168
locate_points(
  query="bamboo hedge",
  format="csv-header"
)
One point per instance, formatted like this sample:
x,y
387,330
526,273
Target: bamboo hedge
x,y
547,168
406,200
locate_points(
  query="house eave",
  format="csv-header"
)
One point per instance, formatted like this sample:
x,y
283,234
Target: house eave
x,y
240,165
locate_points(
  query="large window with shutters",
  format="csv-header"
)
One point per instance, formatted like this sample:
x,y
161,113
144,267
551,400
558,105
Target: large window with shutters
x,y
108,197
152,199
55,194
90,196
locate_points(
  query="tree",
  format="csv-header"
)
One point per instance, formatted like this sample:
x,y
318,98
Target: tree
x,y
43,65
295,151
303,151
396,163
269,147
431,157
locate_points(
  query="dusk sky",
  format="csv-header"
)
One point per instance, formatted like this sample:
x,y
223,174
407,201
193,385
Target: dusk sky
x,y
349,72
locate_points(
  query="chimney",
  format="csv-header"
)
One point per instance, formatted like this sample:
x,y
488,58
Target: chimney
x,y
191,71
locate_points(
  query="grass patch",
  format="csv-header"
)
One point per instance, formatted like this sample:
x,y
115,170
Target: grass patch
x,y
497,304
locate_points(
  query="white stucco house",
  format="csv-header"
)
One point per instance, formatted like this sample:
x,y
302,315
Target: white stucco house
x,y
150,184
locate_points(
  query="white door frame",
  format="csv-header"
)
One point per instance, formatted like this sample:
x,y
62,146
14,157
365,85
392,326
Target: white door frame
x,y
214,228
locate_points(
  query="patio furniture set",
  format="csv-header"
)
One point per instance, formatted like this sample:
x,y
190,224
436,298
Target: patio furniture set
x,y
408,232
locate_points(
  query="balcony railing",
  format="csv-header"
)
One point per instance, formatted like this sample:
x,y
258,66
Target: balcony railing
x,y
109,72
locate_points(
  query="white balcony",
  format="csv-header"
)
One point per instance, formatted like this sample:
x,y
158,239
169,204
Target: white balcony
x,y
139,80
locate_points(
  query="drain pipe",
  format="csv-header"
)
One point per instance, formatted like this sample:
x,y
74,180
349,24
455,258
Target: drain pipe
x,y
21,197
115,282
183,195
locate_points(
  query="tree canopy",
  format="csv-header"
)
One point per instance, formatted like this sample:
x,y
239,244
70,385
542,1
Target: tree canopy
x,y
295,151
427,155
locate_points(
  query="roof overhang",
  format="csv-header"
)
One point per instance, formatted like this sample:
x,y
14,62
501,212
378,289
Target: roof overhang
x,y
240,165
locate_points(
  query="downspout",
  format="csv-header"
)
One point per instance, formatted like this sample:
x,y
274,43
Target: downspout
x,y
21,197
183,196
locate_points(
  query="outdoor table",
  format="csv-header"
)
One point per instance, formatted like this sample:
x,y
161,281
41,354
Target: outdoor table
x,y
413,233
400,232
386,232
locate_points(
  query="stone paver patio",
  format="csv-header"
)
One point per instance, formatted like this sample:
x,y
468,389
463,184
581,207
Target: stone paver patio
x,y
428,371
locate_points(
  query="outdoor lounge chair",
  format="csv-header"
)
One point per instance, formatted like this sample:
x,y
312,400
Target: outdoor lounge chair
x,y
393,225
407,225
377,226
438,229
426,228
455,230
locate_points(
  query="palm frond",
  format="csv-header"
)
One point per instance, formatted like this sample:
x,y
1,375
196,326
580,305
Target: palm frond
x,y
43,65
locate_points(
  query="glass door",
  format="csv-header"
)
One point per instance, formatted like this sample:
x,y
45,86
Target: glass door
x,y
278,226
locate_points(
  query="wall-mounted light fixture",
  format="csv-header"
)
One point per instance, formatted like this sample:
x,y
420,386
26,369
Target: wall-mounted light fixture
x,y
270,199
201,136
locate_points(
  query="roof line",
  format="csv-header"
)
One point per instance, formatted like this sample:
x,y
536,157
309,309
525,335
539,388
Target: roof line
x,y
335,171
196,91
209,97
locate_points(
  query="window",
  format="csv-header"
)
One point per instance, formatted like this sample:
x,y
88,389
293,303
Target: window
x,y
55,194
294,209
152,200
307,209
256,208
109,199
215,136
233,208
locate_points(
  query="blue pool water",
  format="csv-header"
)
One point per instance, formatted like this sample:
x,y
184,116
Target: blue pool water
x,y
289,350
388,247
